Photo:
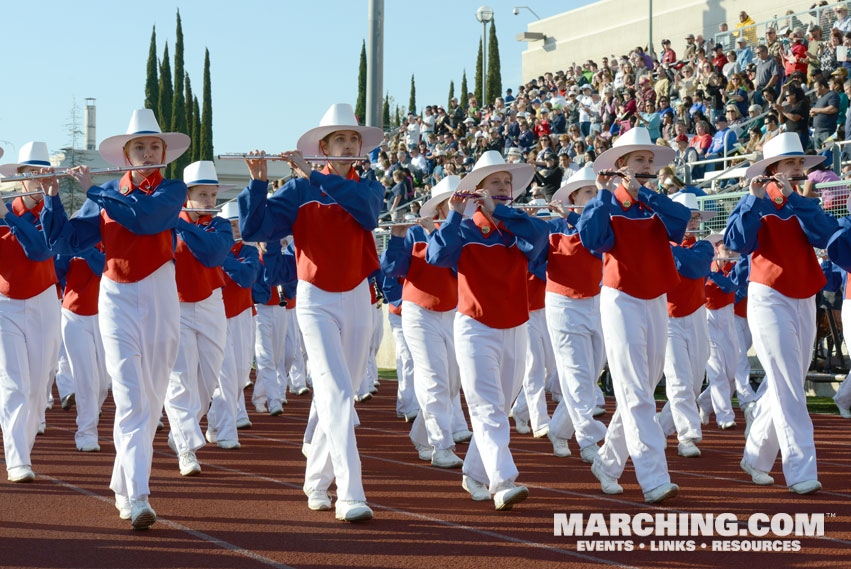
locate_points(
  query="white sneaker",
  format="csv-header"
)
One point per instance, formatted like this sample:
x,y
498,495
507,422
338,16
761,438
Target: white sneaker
x,y
352,511
189,465
759,477
542,432
243,423
522,426
303,391
261,408
20,474
704,415
425,452
229,445
727,425
505,498
68,401
463,436
210,435
89,447
305,449
597,411
688,449
844,413
589,453
478,491
662,492
556,397
41,428
608,484
409,417
318,500
445,458
160,425
362,398
276,409
805,487
122,504
142,515
560,448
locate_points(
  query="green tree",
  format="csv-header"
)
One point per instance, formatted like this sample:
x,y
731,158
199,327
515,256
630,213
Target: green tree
x,y
206,150
385,113
196,130
463,101
190,120
451,93
397,118
412,102
178,105
152,86
477,86
166,92
360,108
494,74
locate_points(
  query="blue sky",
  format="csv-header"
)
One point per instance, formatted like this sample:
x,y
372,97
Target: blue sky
x,y
276,66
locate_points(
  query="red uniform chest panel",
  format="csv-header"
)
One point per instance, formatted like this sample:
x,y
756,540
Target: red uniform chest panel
x,y
130,257
640,263
397,310
332,250
687,296
275,299
785,260
21,278
236,298
572,270
291,303
81,288
433,288
195,282
492,285
741,308
716,298
536,290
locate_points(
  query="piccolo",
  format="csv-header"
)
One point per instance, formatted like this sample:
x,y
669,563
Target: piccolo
x,y
766,179
471,195
615,173
279,157
64,173
527,206
409,222
201,210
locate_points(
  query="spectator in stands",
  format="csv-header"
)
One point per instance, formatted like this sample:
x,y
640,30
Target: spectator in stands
x,y
585,103
824,113
526,138
668,127
734,117
698,105
796,58
719,59
399,192
753,112
650,119
828,61
702,140
685,82
735,93
419,166
456,113
683,116
412,136
754,143
843,21
549,178
744,54
724,139
767,72
793,110
774,46
732,65
724,37
691,47
669,56
749,33
818,174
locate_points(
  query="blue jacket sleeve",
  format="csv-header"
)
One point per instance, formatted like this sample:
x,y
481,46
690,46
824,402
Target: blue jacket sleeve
x,y
244,270
61,264
818,226
839,245
532,234
595,224
743,225
70,236
833,274
694,262
396,259
95,259
445,243
741,271
263,218
139,212
675,216
209,244
724,282
361,199
32,241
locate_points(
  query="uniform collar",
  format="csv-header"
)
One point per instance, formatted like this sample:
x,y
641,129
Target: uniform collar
x,y
202,220
19,209
148,184
773,192
625,200
688,240
236,248
351,176
483,223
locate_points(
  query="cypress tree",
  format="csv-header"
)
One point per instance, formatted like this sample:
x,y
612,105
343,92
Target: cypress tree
x,y
360,108
206,150
166,92
190,120
451,93
178,106
386,111
152,86
398,118
494,74
463,101
196,130
412,103
477,87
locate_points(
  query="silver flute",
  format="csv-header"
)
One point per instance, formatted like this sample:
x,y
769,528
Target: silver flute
x,y
279,157
63,172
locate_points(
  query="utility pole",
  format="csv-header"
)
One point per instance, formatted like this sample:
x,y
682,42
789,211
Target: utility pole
x,y
375,65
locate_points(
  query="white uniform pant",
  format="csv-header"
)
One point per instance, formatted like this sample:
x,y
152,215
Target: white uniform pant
x,y
29,348
195,376
686,355
235,368
81,335
843,394
783,331
635,330
406,397
721,367
293,355
580,353
437,381
744,391
337,330
491,363
531,404
140,327
269,352
376,333
64,374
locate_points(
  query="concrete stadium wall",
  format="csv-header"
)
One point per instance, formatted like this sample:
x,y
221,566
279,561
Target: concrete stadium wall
x,y
616,26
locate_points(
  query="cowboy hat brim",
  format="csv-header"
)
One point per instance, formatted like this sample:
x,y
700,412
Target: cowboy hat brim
x,y
563,193
308,143
112,148
758,168
662,155
521,177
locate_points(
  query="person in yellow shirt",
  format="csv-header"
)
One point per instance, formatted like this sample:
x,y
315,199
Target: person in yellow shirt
x,y
749,32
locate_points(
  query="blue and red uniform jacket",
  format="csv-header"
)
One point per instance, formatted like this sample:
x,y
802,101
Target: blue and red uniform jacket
x,y
202,247
536,282
720,288
81,274
241,267
693,260
331,219
391,288
26,260
779,234
135,223
273,272
433,288
491,261
634,237
739,275
290,287
572,270
839,247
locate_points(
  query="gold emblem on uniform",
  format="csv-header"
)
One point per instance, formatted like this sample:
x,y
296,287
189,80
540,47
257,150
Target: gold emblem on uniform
x,y
778,200
627,203
486,229
124,189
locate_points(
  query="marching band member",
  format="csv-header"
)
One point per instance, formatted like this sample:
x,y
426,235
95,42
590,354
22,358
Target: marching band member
x,y
369,381
333,293
687,349
573,318
294,367
29,315
203,242
491,251
406,400
779,229
839,251
138,309
744,391
633,226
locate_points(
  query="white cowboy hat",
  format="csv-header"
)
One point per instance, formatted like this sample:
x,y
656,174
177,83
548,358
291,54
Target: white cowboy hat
x,y
230,210
30,154
203,172
690,201
143,123
784,145
442,191
716,236
635,139
581,178
492,162
340,116
1,152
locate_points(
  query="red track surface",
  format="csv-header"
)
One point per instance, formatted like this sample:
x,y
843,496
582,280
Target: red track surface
x,y
247,509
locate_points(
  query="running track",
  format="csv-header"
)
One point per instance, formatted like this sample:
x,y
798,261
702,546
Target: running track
x,y
247,509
